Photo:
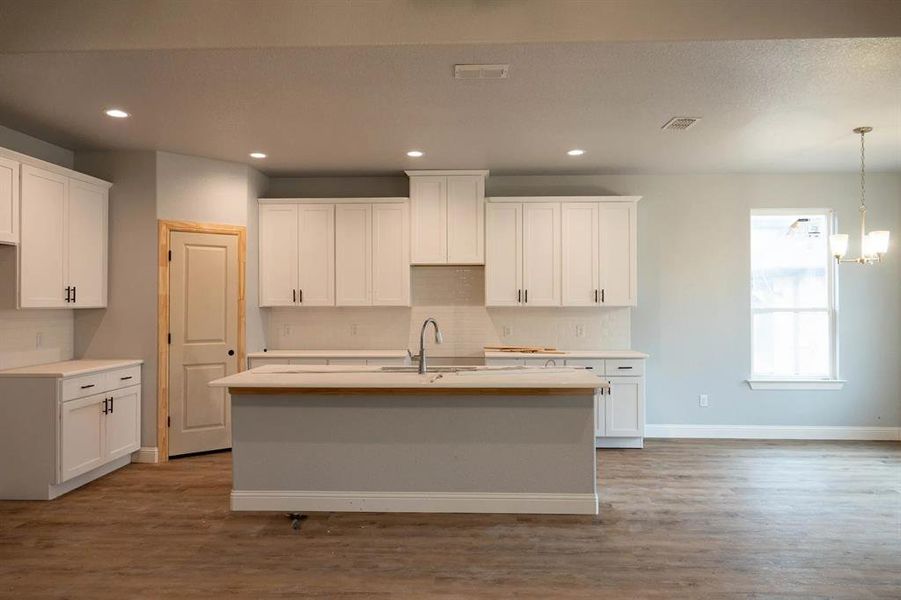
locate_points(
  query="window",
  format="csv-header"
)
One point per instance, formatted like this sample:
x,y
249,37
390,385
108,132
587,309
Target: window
x,y
792,308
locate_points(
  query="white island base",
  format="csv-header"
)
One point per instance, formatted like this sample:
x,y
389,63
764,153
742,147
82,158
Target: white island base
x,y
424,448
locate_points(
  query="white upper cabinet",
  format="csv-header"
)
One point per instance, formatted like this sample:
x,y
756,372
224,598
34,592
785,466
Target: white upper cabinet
x,y
316,255
390,254
9,201
87,244
503,255
618,269
278,254
447,214
353,254
541,254
561,251
44,243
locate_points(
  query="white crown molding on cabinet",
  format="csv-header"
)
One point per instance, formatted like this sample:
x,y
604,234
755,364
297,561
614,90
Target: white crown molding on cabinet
x,y
52,167
773,432
446,172
499,199
379,200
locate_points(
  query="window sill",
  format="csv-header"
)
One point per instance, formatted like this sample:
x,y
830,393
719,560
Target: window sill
x,y
796,384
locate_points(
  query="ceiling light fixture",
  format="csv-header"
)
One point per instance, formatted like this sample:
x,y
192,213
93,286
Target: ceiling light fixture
x,y
414,153
117,113
576,152
872,245
257,155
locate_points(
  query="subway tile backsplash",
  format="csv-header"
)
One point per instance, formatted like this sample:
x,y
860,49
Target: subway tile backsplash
x,y
454,295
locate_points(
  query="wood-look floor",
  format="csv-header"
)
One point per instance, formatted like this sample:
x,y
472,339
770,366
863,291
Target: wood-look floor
x,y
679,519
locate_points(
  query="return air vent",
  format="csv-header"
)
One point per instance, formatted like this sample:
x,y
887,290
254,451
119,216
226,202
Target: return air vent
x,y
681,123
481,71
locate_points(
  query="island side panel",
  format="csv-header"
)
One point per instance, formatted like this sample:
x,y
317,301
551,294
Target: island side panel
x,y
430,453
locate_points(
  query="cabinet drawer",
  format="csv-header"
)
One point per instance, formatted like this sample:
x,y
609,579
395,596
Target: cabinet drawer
x,y
123,377
595,364
625,367
84,385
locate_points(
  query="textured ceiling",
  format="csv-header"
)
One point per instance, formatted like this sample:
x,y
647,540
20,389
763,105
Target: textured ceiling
x,y
767,106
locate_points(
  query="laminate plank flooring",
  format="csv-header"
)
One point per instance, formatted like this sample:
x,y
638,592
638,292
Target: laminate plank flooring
x,y
679,519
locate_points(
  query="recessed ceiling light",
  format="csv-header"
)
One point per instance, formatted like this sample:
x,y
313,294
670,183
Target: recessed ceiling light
x,y
257,155
117,113
576,152
414,153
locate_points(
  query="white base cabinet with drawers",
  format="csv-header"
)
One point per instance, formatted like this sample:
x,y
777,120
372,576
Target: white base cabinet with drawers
x,y
67,424
619,411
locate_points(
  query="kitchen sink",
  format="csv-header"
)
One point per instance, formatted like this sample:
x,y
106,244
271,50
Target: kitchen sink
x,y
414,369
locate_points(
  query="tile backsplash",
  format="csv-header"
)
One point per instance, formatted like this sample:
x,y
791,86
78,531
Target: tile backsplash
x,y
454,295
32,337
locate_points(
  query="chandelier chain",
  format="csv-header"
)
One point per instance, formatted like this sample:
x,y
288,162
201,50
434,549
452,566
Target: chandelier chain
x,y
863,197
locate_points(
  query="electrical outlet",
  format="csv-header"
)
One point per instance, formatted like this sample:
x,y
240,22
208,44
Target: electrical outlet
x,y
506,331
39,340
354,328
702,400
580,331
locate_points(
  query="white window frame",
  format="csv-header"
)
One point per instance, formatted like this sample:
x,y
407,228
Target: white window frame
x,y
832,381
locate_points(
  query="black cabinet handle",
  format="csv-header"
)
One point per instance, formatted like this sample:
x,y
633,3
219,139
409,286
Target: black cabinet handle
x,y
112,405
602,296
519,295
105,408
595,296
623,367
527,296
301,296
68,294
125,378
74,291
293,295
90,385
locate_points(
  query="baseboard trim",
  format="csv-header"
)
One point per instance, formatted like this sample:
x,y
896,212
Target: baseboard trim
x,y
426,502
146,454
773,432
612,442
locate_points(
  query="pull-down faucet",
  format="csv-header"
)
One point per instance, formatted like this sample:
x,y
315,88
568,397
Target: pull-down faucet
x,y
438,339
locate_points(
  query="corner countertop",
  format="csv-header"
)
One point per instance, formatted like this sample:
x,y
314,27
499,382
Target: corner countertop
x,y
300,377
330,354
596,354
70,368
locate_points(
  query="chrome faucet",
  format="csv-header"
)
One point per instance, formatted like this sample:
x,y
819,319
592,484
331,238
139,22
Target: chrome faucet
x,y
438,339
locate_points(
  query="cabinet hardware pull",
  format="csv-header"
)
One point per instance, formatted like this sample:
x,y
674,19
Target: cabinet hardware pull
x,y
105,400
527,296
301,296
68,294
125,378
293,295
112,405
602,296
74,291
623,367
595,296
519,295
90,385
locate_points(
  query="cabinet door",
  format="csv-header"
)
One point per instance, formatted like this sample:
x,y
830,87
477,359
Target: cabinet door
x,y
87,243
625,407
541,254
9,201
42,255
352,254
617,255
123,422
465,220
278,254
580,254
390,254
503,254
82,446
428,215
316,255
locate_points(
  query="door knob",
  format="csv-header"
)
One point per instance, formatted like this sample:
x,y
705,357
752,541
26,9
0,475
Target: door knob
x,y
231,352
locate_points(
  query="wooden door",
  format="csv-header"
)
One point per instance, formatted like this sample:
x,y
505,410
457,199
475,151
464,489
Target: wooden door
x,y
541,254
278,254
82,444
625,407
428,213
9,201
465,220
390,254
353,254
503,254
203,323
42,253
580,254
617,241
316,255
87,244
123,422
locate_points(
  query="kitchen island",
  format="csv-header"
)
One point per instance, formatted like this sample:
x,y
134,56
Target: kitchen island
x,y
493,440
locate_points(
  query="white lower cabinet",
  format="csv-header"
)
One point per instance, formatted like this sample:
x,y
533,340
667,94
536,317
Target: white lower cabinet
x,y
624,407
66,429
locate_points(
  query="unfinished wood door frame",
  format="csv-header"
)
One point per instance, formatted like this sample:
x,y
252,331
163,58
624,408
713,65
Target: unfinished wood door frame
x,y
162,389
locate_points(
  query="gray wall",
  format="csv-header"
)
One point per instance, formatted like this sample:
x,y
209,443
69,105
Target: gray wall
x,y
32,146
127,327
693,314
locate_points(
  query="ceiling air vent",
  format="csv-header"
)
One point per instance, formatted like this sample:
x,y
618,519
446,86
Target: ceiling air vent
x,y
681,123
481,71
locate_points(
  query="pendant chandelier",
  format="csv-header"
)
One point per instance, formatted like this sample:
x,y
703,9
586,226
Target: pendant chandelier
x,y
873,245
